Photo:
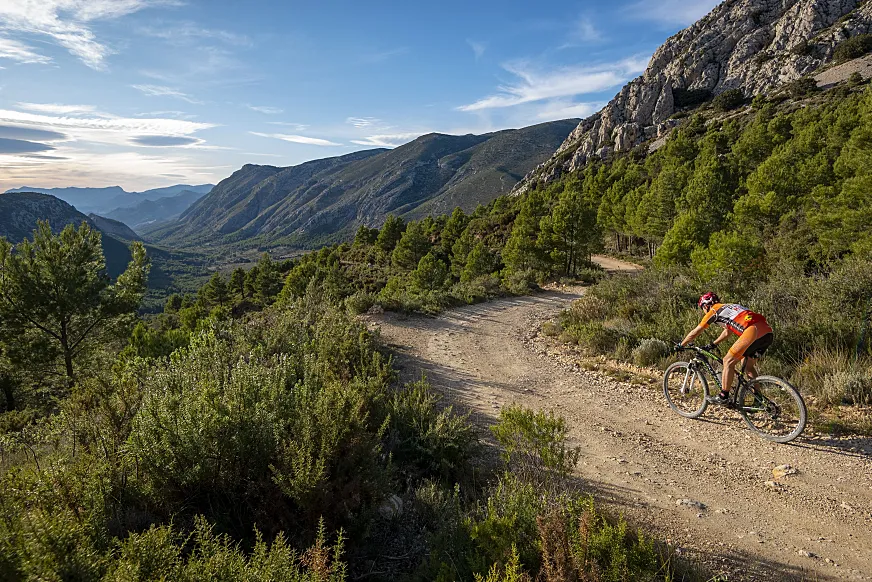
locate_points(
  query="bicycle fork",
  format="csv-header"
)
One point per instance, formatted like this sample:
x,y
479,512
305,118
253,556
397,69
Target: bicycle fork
x,y
685,387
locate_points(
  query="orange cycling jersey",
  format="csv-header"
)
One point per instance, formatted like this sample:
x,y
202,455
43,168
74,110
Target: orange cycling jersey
x,y
733,317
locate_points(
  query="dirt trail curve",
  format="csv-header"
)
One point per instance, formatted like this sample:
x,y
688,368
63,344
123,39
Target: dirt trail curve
x,y
641,459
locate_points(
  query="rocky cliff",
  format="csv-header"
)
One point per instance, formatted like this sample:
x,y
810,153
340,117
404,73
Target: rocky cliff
x,y
751,45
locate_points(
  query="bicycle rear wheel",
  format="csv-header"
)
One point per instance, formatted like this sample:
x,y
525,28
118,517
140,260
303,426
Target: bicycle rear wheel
x,y
686,389
772,408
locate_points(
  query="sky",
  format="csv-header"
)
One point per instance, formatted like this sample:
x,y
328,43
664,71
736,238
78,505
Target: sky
x,y
148,93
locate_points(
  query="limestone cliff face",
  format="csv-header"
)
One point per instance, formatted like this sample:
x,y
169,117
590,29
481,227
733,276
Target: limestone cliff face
x,y
751,45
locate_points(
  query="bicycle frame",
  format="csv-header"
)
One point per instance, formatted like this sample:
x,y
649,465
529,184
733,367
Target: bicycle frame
x,y
702,357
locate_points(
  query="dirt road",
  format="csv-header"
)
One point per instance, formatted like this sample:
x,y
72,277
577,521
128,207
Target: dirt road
x,y
641,459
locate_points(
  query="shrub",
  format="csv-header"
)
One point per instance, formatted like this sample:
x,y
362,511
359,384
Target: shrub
x,y
535,444
520,282
856,79
729,100
802,48
847,386
690,97
649,351
594,337
590,275
551,329
427,441
802,87
360,302
853,48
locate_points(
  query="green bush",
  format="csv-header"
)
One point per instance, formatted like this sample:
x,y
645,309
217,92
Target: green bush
x,y
594,337
853,48
690,97
427,441
534,444
802,87
360,302
729,100
847,386
649,352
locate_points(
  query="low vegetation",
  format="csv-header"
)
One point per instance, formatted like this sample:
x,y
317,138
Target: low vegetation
x,y
257,432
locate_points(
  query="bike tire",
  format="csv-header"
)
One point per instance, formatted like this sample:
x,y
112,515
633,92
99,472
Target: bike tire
x,y
781,417
693,403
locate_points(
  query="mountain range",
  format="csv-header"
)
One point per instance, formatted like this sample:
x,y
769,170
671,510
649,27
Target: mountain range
x,y
326,200
148,214
20,211
104,200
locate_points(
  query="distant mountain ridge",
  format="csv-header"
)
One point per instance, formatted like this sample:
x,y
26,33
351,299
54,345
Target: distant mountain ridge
x,y
20,211
147,214
105,200
326,200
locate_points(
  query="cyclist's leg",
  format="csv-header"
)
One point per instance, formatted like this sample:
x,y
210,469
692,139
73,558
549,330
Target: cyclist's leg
x,y
751,367
735,355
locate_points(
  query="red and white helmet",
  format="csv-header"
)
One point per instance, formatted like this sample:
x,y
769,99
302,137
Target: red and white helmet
x,y
707,300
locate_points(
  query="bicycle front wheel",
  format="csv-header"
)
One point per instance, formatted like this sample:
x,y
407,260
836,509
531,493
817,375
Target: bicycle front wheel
x,y
686,389
772,408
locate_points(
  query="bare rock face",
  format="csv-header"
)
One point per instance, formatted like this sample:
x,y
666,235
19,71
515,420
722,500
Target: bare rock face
x,y
751,45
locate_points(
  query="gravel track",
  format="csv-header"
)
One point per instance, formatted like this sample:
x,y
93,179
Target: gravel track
x,y
642,460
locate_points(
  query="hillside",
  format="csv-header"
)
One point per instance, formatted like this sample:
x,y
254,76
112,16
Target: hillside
x,y
114,227
326,200
171,270
105,200
754,46
149,213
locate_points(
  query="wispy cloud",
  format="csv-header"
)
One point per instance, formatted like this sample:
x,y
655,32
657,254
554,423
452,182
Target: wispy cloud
x,y
560,109
478,48
672,12
68,22
104,128
539,85
381,56
302,139
20,52
186,32
362,122
294,126
265,109
162,141
57,108
584,31
161,91
386,141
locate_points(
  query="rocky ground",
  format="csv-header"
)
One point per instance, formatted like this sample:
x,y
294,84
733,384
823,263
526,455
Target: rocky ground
x,y
707,486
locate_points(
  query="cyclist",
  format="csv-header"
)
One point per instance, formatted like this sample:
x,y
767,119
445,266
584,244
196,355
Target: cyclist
x,y
755,337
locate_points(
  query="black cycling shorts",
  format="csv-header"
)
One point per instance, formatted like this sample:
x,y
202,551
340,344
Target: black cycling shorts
x,y
759,347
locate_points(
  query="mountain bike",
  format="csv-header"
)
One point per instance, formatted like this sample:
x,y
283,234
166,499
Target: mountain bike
x,y
771,406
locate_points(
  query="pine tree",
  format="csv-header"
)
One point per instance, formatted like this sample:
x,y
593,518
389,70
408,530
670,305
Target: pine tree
x,y
479,262
412,246
57,286
215,292
237,282
431,273
268,283
390,233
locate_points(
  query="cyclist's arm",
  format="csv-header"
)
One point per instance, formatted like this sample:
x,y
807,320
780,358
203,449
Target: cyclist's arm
x,y
724,335
692,335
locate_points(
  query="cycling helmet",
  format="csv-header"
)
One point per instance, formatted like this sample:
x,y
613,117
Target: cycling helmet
x,y
707,300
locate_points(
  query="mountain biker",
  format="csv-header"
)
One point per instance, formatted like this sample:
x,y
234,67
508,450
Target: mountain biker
x,y
755,337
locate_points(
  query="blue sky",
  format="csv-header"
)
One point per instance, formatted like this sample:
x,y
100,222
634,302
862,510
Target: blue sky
x,y
146,93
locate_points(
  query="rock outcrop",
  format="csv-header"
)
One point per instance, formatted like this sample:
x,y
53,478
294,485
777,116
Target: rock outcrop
x,y
751,45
